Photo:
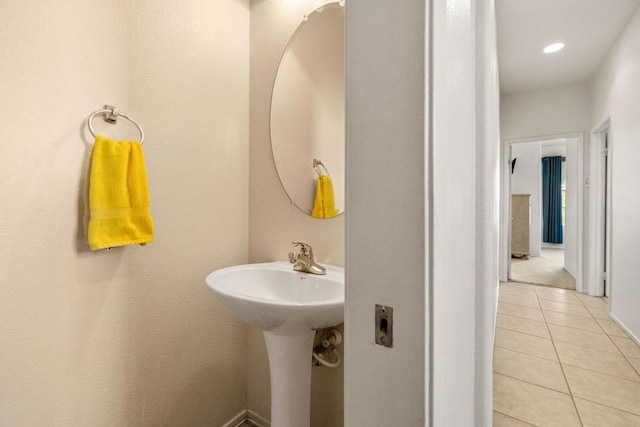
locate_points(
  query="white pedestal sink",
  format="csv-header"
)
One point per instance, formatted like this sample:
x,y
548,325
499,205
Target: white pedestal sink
x,y
288,306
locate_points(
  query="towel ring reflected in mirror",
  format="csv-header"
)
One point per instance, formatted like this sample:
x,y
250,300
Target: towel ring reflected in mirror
x,y
317,164
111,115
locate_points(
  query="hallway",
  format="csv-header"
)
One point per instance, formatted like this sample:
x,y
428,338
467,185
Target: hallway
x,y
560,360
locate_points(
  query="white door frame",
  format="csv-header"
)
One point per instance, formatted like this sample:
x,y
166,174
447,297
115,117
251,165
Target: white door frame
x,y
597,250
505,204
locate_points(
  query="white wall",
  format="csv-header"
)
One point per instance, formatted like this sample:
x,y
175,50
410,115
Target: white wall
x,y
526,179
542,113
615,92
386,247
571,237
464,209
129,336
274,222
545,112
487,208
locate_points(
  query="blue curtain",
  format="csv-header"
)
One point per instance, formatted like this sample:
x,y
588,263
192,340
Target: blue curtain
x,y
552,199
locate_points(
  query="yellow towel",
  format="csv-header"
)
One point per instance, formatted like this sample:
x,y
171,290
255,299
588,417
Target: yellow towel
x,y
324,204
118,195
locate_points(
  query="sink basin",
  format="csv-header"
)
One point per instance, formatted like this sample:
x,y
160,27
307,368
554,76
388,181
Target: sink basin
x,y
287,306
272,297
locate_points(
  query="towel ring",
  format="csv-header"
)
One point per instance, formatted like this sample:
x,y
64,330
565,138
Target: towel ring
x,y
111,115
317,164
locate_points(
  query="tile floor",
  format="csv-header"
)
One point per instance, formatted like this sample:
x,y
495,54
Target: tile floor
x,y
559,360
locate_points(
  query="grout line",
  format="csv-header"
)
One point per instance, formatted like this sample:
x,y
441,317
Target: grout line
x,y
606,406
601,373
600,326
519,305
519,317
564,375
516,285
524,333
610,339
561,302
515,418
624,355
564,312
572,327
527,354
517,294
537,385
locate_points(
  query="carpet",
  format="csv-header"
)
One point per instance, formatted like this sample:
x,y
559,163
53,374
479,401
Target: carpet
x,y
546,270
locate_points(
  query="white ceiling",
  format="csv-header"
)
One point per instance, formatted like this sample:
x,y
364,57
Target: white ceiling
x,y
588,28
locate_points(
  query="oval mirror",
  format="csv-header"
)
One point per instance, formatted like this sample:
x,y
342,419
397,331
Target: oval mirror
x,y
308,114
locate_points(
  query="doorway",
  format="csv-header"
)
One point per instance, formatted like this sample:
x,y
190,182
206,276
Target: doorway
x,y
602,155
534,255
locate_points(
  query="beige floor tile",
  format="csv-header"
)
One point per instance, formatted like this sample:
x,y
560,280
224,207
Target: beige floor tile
x,y
524,343
604,389
524,301
635,362
593,302
595,415
572,321
520,311
553,296
533,404
515,292
502,420
516,285
627,347
599,313
555,290
562,307
611,328
520,324
542,372
596,360
587,339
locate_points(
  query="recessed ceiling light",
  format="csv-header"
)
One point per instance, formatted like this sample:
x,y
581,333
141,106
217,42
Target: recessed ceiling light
x,y
553,47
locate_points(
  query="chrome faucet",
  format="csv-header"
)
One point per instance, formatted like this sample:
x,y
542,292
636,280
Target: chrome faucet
x,y
303,261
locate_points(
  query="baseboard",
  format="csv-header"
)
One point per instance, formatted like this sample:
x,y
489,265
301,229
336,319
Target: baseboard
x,y
237,420
249,416
624,328
257,420
570,274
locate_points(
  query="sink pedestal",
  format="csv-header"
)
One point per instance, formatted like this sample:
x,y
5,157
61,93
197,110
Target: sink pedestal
x,y
287,306
290,370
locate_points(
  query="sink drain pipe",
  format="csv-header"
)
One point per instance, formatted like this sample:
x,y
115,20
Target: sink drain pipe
x,y
325,354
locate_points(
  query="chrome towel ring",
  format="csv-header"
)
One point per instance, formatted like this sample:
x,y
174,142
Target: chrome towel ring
x,y
110,115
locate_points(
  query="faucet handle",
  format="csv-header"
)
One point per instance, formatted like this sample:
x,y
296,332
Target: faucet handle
x,y
305,248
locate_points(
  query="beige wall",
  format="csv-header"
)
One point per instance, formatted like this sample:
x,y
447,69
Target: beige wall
x,y
129,336
274,222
